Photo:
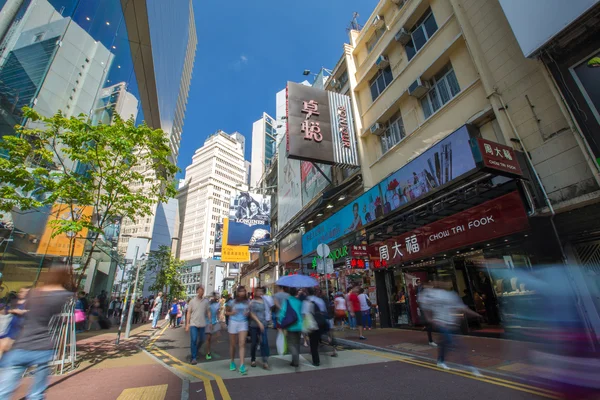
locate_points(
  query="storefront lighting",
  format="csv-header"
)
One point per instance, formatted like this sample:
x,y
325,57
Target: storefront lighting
x,y
114,47
457,252
506,240
472,248
319,214
526,235
88,18
311,221
342,197
329,205
487,244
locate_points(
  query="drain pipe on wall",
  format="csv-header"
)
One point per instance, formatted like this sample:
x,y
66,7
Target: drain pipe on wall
x,y
535,173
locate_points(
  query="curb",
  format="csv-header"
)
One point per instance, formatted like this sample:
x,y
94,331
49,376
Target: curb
x,y
363,346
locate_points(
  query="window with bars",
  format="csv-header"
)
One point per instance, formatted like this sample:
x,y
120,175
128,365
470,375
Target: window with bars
x,y
394,133
420,34
378,84
444,86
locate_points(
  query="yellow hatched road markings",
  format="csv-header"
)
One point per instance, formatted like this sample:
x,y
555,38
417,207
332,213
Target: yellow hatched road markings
x,y
158,392
488,379
220,384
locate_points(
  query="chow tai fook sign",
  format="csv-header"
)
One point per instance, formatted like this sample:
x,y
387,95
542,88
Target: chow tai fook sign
x,y
493,219
498,157
320,127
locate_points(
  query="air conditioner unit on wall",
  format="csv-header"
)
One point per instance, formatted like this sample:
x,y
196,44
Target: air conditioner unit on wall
x,y
382,62
403,36
418,88
377,129
378,21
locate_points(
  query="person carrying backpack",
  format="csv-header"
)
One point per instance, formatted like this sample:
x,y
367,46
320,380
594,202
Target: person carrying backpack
x,y
291,321
315,306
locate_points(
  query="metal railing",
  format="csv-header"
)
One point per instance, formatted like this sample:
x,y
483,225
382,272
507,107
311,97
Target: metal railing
x,y
62,331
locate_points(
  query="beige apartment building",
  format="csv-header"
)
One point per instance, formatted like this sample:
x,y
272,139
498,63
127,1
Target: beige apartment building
x,y
421,70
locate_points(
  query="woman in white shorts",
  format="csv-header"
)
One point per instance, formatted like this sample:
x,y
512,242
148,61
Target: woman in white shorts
x,y
238,327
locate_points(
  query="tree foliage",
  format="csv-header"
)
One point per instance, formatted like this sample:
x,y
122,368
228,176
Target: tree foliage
x,y
167,269
72,162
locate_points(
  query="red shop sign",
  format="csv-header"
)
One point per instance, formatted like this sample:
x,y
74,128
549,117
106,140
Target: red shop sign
x,y
499,157
360,250
492,219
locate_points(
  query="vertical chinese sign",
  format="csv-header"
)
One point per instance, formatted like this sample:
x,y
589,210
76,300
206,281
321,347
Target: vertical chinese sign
x,y
320,126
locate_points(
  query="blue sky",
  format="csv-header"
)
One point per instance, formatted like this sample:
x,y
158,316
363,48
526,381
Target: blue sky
x,y
248,50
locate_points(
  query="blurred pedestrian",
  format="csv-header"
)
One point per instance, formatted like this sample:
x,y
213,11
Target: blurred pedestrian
x,y
17,310
365,309
354,310
173,312
145,310
213,329
280,296
446,310
94,315
34,345
156,309
137,311
238,327
198,317
258,328
425,312
340,310
81,308
351,314
293,329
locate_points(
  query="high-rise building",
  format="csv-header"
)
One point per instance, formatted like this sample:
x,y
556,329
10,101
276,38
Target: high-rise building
x,y
248,166
132,58
240,138
216,173
263,147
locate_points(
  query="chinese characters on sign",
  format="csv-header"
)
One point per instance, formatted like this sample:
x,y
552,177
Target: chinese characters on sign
x,y
492,219
498,156
311,129
359,250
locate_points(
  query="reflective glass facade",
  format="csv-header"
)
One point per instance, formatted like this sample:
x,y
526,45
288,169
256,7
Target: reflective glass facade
x,y
75,56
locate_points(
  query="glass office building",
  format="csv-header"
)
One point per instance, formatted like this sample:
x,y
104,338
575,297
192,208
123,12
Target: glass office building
x,y
96,57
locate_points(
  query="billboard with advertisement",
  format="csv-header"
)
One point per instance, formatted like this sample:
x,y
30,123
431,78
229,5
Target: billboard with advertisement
x,y
60,245
493,219
313,182
447,160
249,220
218,240
289,198
320,126
230,253
443,162
290,247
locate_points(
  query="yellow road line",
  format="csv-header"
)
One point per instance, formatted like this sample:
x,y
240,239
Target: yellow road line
x,y
224,392
488,379
158,335
207,385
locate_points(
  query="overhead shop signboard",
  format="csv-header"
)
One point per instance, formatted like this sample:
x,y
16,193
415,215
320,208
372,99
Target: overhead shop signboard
x,y
320,126
455,157
496,218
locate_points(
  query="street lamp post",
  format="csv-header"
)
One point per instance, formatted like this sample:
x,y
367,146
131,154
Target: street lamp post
x,y
137,248
136,265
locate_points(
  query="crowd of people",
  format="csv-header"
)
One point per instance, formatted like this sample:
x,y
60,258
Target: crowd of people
x,y
298,315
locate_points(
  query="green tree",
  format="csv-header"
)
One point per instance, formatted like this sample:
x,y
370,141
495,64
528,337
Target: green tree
x,y
77,164
167,269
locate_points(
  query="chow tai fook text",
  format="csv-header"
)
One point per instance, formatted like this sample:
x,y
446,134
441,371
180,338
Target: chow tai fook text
x,y
320,127
498,157
490,220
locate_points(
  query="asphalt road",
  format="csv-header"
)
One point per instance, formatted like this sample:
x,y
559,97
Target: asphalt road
x,y
354,374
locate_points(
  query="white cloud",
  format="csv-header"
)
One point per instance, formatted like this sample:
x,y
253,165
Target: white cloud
x,y
244,59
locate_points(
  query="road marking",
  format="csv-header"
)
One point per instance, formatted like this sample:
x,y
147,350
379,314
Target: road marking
x,y
158,335
158,392
220,384
488,379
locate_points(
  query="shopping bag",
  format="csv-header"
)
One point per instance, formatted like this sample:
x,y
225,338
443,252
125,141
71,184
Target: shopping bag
x,y
79,316
309,324
281,343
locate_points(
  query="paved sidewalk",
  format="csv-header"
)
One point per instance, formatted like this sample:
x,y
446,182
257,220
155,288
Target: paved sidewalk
x,y
497,355
108,371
